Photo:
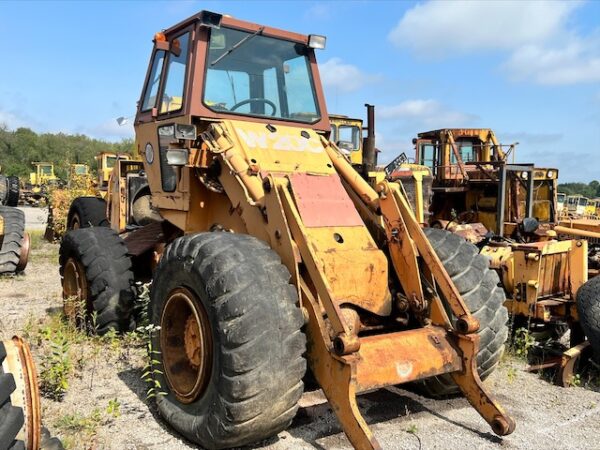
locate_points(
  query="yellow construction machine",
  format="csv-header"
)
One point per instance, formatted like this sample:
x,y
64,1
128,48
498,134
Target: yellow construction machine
x,y
268,251
510,211
35,190
105,163
346,133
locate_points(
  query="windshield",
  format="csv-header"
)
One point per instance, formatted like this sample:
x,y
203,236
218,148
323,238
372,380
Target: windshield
x,y
561,197
110,161
262,76
80,170
46,170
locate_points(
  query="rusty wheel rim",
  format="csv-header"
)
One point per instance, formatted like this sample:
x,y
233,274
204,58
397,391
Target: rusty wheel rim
x,y
20,363
185,345
75,222
75,288
24,255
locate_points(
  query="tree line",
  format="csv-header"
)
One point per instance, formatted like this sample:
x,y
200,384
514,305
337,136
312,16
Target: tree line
x,y
589,190
20,147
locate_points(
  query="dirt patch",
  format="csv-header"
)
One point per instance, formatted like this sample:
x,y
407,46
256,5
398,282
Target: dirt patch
x,y
105,404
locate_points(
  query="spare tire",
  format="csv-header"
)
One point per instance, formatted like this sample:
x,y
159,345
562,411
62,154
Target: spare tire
x,y
481,290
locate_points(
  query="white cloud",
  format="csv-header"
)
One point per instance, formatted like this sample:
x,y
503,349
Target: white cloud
x,y
345,77
110,130
436,28
538,36
576,62
426,113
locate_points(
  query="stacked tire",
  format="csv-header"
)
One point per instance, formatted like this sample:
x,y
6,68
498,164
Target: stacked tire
x,y
14,241
9,190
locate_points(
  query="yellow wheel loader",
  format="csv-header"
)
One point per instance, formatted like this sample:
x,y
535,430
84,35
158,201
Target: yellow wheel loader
x,y
269,253
35,190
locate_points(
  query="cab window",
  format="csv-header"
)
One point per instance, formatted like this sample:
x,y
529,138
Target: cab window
x,y
172,98
350,134
149,101
466,152
427,156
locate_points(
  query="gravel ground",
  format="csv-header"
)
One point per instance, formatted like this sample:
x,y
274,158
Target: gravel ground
x,y
35,218
547,416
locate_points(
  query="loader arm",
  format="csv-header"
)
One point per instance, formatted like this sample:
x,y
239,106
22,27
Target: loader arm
x,y
329,249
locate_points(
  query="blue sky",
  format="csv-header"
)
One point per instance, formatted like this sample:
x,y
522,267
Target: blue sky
x,y
530,71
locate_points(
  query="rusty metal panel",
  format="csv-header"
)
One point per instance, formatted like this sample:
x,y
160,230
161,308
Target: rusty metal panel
x,y
323,202
396,358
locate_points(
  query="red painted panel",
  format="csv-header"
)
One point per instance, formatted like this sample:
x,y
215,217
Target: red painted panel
x,y
323,201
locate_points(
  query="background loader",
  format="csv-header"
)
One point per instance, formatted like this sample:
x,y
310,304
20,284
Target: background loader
x,y
35,190
510,211
269,252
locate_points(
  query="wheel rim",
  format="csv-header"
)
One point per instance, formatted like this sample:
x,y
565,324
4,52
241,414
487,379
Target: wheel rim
x,y
20,363
24,255
75,222
75,288
186,345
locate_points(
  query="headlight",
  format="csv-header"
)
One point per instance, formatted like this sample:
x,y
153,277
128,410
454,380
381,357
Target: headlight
x,y
177,157
316,41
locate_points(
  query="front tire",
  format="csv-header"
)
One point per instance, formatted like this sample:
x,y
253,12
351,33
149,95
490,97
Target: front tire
x,y
243,360
96,274
480,289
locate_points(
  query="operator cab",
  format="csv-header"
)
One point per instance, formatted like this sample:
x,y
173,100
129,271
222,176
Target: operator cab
x,y
347,134
213,66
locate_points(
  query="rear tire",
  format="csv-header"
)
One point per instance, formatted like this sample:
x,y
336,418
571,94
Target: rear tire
x,y
14,244
12,419
480,289
87,212
254,378
99,255
588,307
